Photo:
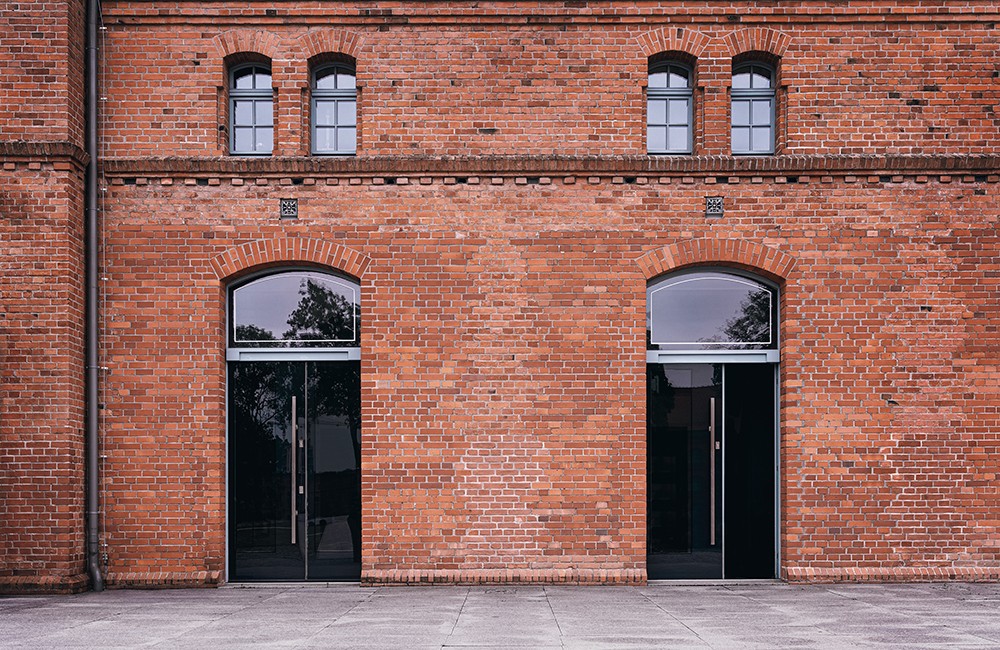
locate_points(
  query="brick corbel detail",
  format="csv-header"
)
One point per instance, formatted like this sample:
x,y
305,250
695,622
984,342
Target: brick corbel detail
x,y
289,250
673,39
25,150
556,164
751,256
757,39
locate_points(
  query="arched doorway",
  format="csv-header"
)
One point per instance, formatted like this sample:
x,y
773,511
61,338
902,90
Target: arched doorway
x,y
712,355
294,405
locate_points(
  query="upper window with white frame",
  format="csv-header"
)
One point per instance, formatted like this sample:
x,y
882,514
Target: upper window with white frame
x,y
670,108
753,109
334,110
251,110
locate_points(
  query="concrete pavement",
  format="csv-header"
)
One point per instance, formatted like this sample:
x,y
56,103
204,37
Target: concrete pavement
x,y
657,616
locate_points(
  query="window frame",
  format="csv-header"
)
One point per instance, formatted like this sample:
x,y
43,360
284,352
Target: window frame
x,y
667,94
293,349
335,95
699,352
754,94
252,95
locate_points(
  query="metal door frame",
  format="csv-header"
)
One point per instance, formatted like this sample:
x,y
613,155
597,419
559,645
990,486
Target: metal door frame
x,y
243,355
769,357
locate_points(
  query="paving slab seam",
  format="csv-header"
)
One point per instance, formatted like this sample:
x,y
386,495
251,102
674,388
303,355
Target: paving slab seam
x,y
350,609
683,624
908,615
548,601
459,617
172,640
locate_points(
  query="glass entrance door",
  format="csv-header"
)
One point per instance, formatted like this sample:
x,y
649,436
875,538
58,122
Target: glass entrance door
x,y
710,471
294,475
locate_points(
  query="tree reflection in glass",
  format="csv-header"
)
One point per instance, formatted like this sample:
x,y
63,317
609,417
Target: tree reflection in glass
x,y
753,324
710,310
309,309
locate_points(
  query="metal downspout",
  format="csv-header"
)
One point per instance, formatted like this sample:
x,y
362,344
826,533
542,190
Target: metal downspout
x,y
90,309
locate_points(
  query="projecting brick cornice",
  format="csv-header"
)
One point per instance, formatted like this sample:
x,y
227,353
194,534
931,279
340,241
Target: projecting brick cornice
x,y
554,165
742,253
22,150
288,250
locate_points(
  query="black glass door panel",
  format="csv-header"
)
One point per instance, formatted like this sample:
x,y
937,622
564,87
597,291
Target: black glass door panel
x,y
750,471
261,471
683,472
710,471
294,445
334,477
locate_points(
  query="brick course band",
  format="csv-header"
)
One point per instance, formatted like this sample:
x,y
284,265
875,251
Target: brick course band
x,y
162,579
42,584
43,151
555,164
892,574
506,576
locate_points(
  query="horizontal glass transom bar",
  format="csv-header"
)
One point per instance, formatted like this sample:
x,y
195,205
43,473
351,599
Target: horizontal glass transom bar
x,y
308,354
723,356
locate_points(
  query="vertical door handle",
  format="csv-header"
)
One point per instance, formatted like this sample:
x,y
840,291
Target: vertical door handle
x,y
711,472
295,473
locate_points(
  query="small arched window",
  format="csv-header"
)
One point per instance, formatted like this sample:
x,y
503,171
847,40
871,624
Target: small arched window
x,y
295,309
669,108
753,108
251,110
334,110
711,311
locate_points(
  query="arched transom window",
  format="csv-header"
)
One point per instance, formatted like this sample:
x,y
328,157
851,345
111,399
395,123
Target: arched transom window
x,y
295,309
705,311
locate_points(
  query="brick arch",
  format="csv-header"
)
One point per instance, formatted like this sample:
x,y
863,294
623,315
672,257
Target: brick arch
x,y
751,256
673,39
289,250
237,41
328,41
757,39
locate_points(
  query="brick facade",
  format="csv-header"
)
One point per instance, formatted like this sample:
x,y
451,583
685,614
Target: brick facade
x,y
41,296
503,220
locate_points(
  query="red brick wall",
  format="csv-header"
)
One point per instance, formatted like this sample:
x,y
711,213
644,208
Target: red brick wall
x,y
41,296
503,372
41,377
519,78
41,81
